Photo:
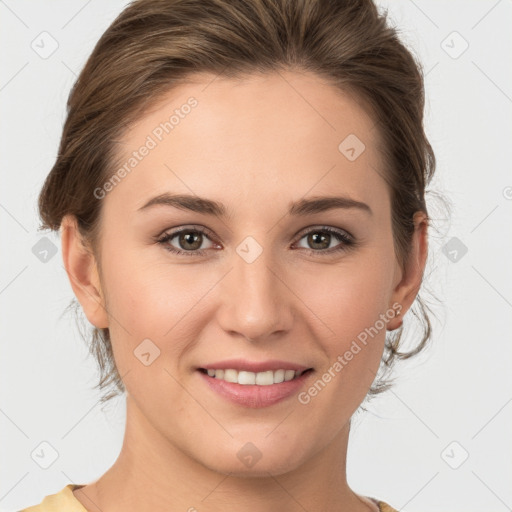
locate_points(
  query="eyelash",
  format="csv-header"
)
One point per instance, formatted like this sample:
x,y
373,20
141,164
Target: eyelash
x,y
348,241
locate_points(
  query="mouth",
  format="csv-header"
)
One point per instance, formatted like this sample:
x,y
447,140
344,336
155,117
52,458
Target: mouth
x,y
256,389
248,378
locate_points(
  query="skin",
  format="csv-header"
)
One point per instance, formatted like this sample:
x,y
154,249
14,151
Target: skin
x,y
255,145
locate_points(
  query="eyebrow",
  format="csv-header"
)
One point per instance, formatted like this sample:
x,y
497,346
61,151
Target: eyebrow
x,y
316,204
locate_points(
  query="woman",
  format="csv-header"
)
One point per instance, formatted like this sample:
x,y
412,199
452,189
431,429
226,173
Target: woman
x,y
240,191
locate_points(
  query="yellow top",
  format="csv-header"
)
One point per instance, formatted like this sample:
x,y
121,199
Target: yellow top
x,y
65,501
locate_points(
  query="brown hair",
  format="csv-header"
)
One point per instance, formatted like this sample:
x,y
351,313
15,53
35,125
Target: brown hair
x,y
153,44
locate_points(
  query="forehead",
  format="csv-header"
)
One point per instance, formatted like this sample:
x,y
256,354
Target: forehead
x,y
217,136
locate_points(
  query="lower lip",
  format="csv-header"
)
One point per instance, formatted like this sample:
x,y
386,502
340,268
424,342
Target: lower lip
x,y
255,396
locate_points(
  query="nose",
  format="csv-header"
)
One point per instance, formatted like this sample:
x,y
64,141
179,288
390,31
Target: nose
x,y
256,302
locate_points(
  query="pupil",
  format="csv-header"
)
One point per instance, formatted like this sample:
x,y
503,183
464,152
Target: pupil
x,y
323,238
317,239
190,238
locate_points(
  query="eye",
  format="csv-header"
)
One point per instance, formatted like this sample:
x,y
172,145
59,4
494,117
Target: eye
x,y
321,240
189,241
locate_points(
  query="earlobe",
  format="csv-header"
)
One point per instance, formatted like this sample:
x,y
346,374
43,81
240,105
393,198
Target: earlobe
x,y
407,289
81,268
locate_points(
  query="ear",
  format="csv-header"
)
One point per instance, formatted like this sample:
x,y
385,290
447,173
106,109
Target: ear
x,y
410,278
81,267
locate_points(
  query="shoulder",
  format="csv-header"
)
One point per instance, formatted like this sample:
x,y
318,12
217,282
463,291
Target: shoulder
x,y
62,501
65,501
384,507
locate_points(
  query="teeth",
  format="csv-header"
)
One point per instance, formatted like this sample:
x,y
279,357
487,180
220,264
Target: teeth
x,y
250,378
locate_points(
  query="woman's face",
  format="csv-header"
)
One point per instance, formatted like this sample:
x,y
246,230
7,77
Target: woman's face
x,y
262,282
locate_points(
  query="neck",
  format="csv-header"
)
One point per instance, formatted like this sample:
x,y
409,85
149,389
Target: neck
x,y
153,474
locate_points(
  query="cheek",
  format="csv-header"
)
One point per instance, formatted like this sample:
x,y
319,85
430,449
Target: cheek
x,y
154,320
154,300
349,296
171,304
154,297
350,302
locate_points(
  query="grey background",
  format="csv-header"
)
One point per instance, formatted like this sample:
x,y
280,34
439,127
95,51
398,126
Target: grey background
x,y
451,402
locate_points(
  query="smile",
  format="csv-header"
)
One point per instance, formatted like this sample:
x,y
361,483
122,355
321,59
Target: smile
x,y
246,378
254,389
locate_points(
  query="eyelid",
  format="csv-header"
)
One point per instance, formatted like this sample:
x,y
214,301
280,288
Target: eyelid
x,y
346,240
320,227
209,233
186,227
173,232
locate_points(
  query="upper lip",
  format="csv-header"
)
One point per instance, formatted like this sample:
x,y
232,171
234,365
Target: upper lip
x,y
254,366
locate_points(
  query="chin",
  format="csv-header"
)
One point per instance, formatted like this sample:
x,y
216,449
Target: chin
x,y
261,469
260,458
